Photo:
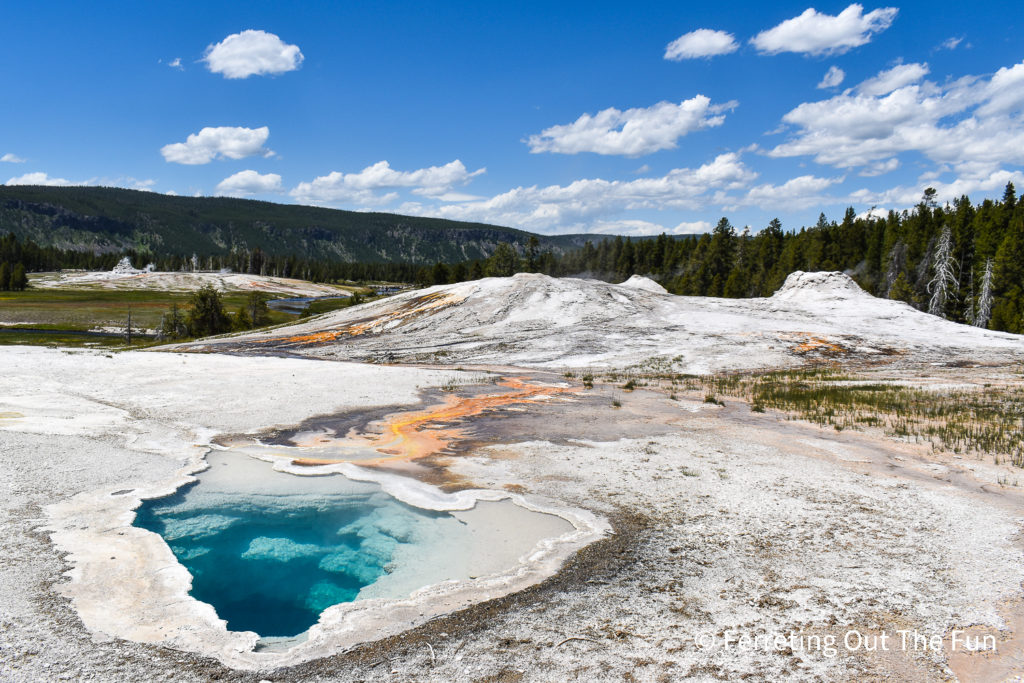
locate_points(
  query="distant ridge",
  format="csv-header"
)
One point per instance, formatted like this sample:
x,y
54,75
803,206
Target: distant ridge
x,y
106,219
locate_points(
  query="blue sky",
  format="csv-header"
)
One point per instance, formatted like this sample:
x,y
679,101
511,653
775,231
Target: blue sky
x,y
634,118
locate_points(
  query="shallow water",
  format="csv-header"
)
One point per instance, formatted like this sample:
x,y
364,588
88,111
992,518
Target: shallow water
x,y
270,551
270,555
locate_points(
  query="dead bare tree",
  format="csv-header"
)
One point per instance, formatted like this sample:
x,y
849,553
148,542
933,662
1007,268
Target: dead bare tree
x,y
944,268
984,311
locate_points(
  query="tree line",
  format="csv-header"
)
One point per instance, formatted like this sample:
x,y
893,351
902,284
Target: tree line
x,y
206,315
13,275
962,261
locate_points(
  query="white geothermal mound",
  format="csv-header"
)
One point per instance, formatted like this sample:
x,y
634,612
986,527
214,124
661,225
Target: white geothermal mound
x,y
540,321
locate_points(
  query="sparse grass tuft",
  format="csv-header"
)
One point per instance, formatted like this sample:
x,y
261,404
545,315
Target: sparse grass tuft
x,y
986,420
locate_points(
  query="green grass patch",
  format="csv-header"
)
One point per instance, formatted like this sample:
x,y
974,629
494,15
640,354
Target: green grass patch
x,y
68,310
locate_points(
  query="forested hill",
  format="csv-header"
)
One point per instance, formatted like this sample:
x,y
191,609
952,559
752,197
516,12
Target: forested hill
x,y
113,220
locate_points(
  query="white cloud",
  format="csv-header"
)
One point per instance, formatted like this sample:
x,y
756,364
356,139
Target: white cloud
x,y
39,178
176,64
435,181
691,228
797,193
641,228
986,183
220,142
873,212
250,53
893,79
248,183
1005,92
823,34
703,42
456,197
586,203
880,168
126,182
12,158
951,43
632,132
833,77
971,124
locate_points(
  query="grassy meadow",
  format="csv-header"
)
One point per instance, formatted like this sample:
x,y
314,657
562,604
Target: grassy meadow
x,y
61,316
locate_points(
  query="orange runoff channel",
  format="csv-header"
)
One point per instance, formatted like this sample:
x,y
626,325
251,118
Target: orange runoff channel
x,y
410,436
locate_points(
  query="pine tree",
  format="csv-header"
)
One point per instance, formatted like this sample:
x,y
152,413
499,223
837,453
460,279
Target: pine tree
x,y
5,276
207,315
721,252
901,290
173,325
502,262
439,274
19,281
257,310
242,320
531,254
1009,197
1008,282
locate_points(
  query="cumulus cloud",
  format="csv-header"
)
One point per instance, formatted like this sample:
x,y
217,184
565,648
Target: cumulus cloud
x,y
814,33
1004,93
222,142
968,183
252,53
39,178
833,77
247,183
970,124
12,158
586,203
893,79
880,168
176,64
951,43
632,132
641,228
703,42
360,188
797,193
